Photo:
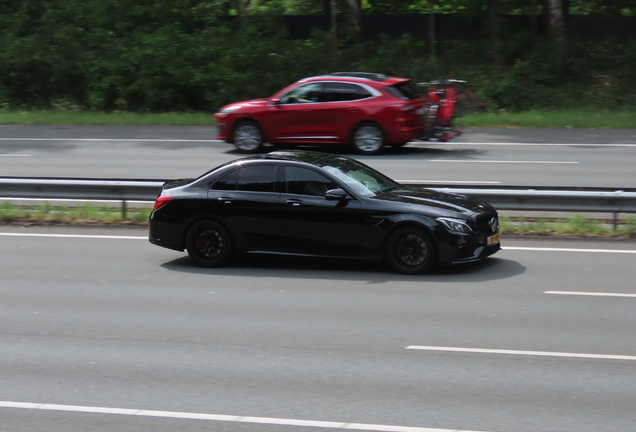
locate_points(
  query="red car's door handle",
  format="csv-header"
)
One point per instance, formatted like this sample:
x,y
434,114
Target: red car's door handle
x,y
294,202
352,109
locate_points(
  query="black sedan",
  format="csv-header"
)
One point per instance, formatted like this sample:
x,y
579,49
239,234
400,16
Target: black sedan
x,y
316,204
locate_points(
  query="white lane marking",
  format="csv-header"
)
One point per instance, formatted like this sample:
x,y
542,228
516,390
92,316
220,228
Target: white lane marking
x,y
119,237
546,249
149,203
476,182
516,352
116,237
224,418
582,293
112,139
514,144
15,155
502,162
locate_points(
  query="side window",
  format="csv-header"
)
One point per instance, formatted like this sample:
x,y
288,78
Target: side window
x,y
304,181
338,91
227,182
302,94
257,178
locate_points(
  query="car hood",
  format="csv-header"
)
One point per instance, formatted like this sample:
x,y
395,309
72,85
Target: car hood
x,y
437,203
248,104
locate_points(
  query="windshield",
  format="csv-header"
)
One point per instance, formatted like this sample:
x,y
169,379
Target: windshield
x,y
363,179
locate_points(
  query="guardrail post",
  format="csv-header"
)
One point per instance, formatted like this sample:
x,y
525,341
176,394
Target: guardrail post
x,y
615,221
123,208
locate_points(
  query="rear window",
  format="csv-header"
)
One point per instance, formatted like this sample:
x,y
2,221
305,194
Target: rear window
x,y
404,90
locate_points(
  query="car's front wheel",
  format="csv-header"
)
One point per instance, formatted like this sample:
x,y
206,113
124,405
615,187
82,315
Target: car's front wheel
x,y
208,244
247,136
368,138
411,250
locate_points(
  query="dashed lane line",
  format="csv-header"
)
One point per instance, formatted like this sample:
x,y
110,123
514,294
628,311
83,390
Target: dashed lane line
x,y
518,352
593,294
87,236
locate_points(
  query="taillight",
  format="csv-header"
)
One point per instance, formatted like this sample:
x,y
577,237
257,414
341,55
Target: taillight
x,y
162,201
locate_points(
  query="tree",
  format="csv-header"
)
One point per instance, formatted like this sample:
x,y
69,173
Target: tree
x,y
556,22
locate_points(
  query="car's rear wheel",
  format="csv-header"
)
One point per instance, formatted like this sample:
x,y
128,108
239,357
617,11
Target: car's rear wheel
x,y
208,244
368,138
247,136
411,250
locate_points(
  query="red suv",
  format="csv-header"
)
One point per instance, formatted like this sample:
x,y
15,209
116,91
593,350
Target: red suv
x,y
361,109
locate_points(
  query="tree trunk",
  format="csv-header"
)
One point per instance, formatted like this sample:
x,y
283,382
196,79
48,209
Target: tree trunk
x,y
241,10
431,32
356,20
495,33
334,28
556,23
533,16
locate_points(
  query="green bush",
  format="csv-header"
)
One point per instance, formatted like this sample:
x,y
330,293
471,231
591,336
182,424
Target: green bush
x,y
183,55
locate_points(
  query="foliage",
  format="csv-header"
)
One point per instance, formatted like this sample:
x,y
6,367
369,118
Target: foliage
x,y
188,55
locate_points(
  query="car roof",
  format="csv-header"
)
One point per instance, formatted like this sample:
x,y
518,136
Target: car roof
x,y
310,157
366,77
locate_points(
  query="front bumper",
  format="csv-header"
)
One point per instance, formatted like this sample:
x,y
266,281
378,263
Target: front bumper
x,y
470,253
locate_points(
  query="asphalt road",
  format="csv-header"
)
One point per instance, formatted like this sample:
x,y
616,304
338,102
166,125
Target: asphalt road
x,y
103,324
101,331
522,157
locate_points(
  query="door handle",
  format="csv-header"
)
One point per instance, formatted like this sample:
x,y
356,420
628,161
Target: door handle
x,y
352,109
294,202
225,200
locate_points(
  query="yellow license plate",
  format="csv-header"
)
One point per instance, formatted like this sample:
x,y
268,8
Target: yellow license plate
x,y
494,239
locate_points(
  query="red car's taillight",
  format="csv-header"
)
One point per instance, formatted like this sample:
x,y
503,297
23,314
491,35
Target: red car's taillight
x,y
161,201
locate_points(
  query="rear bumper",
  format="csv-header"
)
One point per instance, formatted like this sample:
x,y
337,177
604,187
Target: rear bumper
x,y
165,235
405,134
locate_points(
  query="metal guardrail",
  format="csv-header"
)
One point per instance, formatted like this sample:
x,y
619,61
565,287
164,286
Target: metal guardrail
x,y
503,198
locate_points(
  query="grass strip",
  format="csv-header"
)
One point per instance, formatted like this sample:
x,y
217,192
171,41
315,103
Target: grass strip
x,y
563,119
116,118
85,214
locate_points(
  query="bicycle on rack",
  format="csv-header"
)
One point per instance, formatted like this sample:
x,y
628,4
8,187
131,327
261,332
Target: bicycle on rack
x,y
441,110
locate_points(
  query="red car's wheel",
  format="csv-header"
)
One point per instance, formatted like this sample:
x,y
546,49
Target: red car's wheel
x,y
368,138
247,136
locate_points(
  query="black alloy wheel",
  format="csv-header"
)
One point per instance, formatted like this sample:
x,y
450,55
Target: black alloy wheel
x,y
411,250
248,136
208,244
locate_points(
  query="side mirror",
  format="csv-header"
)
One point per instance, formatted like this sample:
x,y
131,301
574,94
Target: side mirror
x,y
274,101
336,195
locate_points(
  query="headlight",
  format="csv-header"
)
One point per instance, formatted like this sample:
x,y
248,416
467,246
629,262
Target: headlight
x,y
228,109
456,225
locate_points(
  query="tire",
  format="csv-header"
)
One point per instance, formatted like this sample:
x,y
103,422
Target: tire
x,y
411,250
458,111
248,136
208,244
431,123
368,138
